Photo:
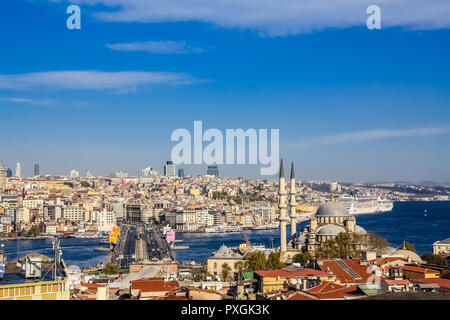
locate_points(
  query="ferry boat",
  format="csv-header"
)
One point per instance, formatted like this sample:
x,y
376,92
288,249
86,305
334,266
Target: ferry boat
x,y
220,229
367,204
273,225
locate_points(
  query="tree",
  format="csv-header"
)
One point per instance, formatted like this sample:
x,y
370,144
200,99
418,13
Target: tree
x,y
433,259
375,242
343,246
110,268
225,271
85,184
303,258
273,262
255,261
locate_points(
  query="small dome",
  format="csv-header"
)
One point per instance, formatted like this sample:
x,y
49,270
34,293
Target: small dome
x,y
300,240
360,230
332,208
408,254
330,230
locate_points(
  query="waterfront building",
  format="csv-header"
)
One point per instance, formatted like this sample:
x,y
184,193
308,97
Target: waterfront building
x,y
73,213
169,169
330,219
106,220
221,257
441,247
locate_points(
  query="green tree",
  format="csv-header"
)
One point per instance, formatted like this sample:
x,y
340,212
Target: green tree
x,y
85,184
343,246
303,258
273,262
433,259
375,242
110,268
255,261
226,269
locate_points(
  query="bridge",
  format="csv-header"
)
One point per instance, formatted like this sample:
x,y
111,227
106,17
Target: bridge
x,y
140,243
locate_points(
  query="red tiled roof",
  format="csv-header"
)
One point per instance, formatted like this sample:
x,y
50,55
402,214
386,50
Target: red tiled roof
x,y
330,290
443,283
396,282
302,296
416,269
342,274
154,285
382,261
306,272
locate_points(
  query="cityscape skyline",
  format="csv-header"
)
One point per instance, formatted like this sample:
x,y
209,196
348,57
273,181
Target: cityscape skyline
x,y
351,104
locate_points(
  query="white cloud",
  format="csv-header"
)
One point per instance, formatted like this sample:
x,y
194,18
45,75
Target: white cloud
x,y
161,47
29,101
361,136
124,81
278,17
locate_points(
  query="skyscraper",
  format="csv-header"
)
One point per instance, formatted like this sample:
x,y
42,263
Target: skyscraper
x,y
36,169
180,173
169,169
18,170
213,171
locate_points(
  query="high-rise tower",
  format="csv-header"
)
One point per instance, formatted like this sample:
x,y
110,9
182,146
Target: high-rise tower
x,y
283,218
18,170
293,203
2,172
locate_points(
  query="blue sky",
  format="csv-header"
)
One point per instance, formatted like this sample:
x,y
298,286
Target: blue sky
x,y
351,104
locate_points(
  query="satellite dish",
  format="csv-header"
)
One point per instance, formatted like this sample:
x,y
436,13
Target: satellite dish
x,y
18,264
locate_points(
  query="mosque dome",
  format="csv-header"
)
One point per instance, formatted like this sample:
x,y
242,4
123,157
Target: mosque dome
x,y
360,230
332,208
408,254
330,230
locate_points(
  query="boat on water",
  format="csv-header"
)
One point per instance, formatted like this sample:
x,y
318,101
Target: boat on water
x,y
273,225
102,249
221,229
94,269
366,204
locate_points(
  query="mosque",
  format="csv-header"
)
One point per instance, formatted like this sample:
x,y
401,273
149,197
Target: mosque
x,y
331,219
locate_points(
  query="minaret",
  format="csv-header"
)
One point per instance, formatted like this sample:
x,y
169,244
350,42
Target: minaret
x,y
283,214
293,203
